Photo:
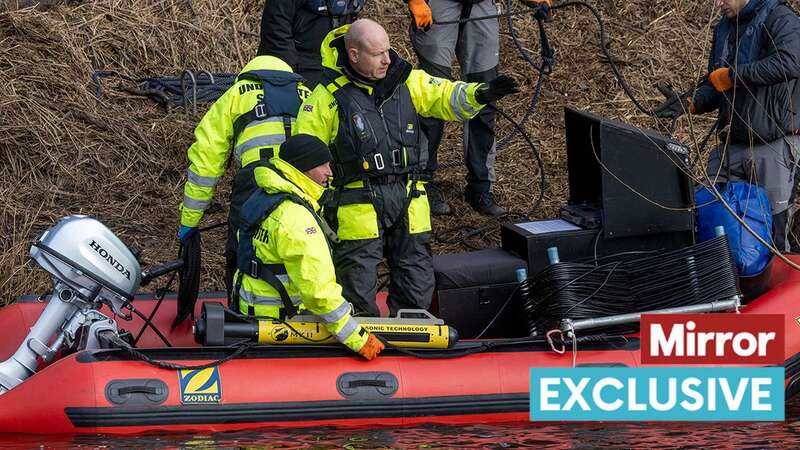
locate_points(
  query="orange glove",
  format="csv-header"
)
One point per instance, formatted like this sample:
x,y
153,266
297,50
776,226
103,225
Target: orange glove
x,y
547,3
721,79
423,17
371,348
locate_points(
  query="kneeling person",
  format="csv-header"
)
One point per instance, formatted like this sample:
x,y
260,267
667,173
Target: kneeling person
x,y
284,260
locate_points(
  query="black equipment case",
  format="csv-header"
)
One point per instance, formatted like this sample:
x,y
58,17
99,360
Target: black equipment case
x,y
472,287
628,193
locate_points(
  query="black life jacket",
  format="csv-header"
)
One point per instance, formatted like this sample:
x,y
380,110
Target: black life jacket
x,y
254,211
279,100
257,208
378,135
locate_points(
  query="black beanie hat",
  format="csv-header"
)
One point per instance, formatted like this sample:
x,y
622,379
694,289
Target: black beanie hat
x,y
305,152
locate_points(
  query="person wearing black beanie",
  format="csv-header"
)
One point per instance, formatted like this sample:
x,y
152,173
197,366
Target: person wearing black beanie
x,y
281,233
309,155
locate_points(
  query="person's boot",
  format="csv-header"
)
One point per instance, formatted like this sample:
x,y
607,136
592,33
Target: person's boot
x,y
438,204
484,203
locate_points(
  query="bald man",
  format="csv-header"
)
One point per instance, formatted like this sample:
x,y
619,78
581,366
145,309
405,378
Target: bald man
x,y
367,111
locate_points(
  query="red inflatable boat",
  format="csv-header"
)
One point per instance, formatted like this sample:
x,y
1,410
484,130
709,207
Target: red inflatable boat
x,y
106,391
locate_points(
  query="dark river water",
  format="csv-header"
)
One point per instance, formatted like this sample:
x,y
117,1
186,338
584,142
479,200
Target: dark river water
x,y
513,435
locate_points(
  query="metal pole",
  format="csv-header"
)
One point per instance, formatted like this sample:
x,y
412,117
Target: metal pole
x,y
587,324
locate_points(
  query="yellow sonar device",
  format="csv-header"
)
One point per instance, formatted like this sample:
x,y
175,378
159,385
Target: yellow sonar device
x,y
411,328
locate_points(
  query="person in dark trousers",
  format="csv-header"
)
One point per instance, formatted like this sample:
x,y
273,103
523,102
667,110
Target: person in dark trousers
x,y
753,76
293,30
476,44
367,112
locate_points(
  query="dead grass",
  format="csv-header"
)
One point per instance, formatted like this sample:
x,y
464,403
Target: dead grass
x,y
122,159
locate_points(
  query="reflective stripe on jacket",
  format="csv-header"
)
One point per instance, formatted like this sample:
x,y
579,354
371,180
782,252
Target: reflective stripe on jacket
x,y
322,116
291,236
214,137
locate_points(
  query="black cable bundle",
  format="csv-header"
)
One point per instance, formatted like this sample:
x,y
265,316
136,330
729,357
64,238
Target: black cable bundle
x,y
189,88
189,278
693,275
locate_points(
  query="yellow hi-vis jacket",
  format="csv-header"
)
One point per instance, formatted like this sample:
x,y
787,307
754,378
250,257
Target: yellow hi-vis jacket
x,y
430,97
291,236
215,133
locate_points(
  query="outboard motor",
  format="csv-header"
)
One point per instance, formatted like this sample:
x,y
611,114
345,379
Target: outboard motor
x,y
90,267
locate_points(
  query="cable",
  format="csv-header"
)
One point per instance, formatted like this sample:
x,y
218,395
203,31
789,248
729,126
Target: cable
x,y
547,55
151,325
603,44
500,311
160,296
604,49
461,238
116,342
575,291
489,17
461,234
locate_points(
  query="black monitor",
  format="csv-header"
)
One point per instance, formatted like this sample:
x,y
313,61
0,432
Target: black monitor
x,y
635,177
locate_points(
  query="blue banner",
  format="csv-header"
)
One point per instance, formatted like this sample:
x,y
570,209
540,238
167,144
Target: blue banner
x,y
657,394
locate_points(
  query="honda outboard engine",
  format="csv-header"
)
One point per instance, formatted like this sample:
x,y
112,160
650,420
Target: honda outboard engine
x,y
90,267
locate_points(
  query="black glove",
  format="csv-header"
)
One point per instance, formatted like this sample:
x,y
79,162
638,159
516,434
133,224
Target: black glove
x,y
675,104
496,89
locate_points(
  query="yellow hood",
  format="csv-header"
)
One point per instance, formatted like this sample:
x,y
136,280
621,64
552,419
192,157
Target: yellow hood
x,y
266,63
290,180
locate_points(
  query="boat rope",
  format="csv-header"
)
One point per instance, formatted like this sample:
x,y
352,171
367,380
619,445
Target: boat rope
x,y
148,323
188,88
114,341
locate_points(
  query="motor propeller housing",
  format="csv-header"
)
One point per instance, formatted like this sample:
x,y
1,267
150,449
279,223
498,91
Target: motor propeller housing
x,y
84,254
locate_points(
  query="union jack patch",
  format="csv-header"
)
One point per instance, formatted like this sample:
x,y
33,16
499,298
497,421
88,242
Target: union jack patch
x,y
308,108
311,230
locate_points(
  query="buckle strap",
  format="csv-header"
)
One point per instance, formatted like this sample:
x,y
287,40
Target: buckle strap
x,y
256,267
265,272
350,197
388,178
287,126
346,172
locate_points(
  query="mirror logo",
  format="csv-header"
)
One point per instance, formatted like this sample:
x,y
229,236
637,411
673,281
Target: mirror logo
x,y
698,385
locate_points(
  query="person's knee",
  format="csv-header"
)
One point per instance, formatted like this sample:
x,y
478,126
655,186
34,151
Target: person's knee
x,y
434,69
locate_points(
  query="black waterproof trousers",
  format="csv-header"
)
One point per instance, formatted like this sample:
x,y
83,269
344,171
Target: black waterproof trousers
x,y
411,278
